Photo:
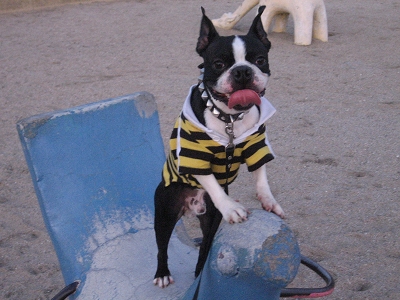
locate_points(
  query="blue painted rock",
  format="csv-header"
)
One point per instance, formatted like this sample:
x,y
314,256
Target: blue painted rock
x,y
251,260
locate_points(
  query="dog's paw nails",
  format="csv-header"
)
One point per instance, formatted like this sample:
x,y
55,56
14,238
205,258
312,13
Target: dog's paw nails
x,y
238,216
280,213
266,207
277,209
274,208
163,282
233,212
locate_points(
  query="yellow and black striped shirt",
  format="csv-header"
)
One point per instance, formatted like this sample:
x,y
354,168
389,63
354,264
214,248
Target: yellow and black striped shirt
x,y
194,152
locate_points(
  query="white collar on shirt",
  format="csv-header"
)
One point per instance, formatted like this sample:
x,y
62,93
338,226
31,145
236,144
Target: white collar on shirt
x,y
218,133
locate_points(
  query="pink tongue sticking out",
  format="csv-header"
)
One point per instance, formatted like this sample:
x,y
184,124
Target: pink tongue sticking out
x,y
244,98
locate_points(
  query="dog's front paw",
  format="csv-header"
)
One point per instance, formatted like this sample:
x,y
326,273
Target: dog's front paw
x,y
233,212
163,282
270,204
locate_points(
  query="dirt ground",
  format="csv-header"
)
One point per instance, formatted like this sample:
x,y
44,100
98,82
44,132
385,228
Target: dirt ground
x,y
336,132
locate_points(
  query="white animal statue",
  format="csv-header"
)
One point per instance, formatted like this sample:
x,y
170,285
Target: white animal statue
x,y
309,18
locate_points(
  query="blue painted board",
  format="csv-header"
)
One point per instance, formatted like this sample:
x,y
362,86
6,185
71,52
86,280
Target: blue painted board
x,y
94,169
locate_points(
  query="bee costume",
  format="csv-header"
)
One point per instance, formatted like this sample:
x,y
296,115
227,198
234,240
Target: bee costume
x,y
197,150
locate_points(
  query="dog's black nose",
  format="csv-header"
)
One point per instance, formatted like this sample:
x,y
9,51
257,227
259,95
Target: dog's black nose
x,y
242,74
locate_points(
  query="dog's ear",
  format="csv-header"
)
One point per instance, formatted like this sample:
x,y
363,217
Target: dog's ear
x,y
257,29
207,33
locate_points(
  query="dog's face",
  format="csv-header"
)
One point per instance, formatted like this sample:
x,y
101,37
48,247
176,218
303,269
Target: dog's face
x,y
235,63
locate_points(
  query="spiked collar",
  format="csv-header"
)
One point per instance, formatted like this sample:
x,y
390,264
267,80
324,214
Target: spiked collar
x,y
215,110
266,112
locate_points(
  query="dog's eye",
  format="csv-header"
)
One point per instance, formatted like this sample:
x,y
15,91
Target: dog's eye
x,y
218,65
260,61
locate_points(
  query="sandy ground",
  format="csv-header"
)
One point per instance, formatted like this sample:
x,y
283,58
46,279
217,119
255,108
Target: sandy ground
x,y
336,132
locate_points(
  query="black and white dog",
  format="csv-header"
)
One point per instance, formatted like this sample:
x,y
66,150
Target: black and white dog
x,y
220,127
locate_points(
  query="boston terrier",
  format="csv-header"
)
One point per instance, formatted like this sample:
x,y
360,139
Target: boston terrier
x,y
220,127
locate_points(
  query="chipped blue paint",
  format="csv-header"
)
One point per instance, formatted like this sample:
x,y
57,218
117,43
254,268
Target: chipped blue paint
x,y
95,168
251,260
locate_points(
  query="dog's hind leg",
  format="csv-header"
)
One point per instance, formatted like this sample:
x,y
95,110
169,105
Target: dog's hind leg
x,y
165,217
209,223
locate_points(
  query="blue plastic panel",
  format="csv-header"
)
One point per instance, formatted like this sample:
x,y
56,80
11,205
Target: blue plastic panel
x,y
95,169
